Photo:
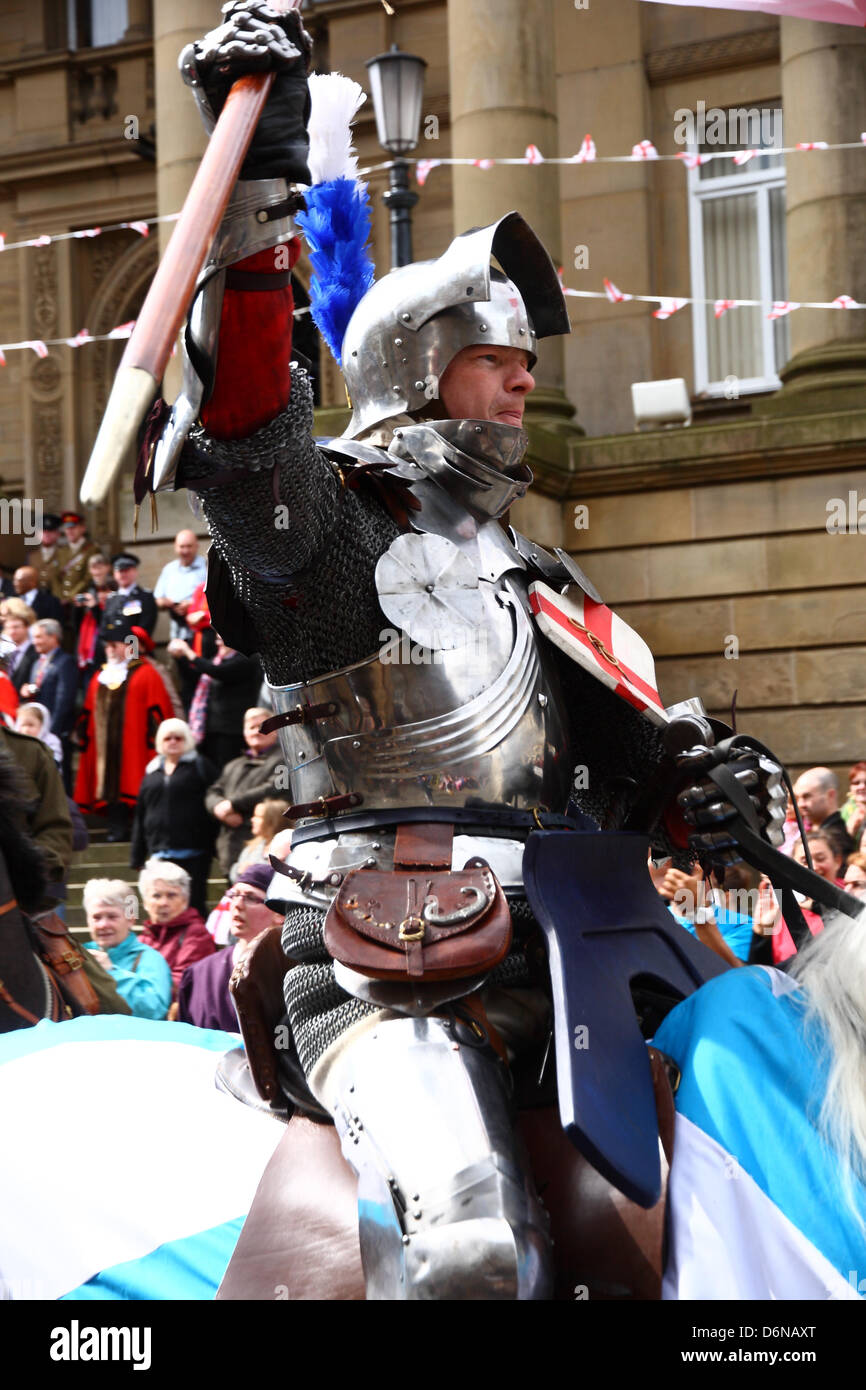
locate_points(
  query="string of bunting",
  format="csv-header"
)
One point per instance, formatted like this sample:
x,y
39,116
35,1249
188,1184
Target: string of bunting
x,y
643,150
668,306
587,154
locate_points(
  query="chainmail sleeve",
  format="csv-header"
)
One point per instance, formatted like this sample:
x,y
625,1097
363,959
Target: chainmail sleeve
x,y
301,548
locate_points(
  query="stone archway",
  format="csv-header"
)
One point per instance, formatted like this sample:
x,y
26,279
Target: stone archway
x,y
122,275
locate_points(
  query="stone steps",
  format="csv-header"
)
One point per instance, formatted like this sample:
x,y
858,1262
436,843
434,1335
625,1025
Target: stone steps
x,y
104,860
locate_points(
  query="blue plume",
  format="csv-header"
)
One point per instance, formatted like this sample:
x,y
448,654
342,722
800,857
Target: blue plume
x,y
337,228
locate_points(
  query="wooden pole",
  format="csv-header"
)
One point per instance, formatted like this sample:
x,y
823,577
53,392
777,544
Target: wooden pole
x,y
168,299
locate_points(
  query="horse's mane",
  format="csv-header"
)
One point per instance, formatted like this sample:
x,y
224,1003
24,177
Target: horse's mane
x,y
831,969
24,862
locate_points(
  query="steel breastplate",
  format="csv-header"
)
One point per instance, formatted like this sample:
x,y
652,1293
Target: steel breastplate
x,y
480,723
460,705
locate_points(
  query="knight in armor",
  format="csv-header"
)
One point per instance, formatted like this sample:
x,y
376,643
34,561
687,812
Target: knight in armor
x,y
428,724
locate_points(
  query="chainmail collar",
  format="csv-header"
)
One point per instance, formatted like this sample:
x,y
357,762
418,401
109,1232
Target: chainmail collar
x,y
479,463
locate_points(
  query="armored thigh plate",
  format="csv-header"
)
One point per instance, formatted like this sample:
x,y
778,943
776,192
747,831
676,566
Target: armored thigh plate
x,y
445,1209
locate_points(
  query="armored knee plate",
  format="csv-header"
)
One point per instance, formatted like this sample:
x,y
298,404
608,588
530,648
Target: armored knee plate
x,y
446,1210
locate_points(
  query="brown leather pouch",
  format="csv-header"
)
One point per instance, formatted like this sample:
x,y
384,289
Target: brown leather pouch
x,y
422,921
65,959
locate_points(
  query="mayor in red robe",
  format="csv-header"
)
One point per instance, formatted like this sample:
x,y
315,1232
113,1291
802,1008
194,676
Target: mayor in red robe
x,y
126,701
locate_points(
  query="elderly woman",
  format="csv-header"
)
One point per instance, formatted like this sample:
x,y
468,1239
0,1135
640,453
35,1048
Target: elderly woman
x,y
204,998
171,821
140,974
173,928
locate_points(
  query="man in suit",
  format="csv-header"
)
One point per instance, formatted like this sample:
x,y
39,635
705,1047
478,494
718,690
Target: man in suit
x,y
53,682
43,603
131,602
22,655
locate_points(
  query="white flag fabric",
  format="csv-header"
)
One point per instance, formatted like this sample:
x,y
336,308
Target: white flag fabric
x,y
124,1173
755,1201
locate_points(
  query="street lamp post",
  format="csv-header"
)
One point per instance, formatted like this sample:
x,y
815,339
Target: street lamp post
x,y
397,86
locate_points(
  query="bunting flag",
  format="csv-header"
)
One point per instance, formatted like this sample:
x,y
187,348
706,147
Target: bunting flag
x,y
756,1207
162,1165
668,307
830,11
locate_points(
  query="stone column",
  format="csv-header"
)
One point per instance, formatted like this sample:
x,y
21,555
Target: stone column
x,y
138,19
503,98
826,229
181,137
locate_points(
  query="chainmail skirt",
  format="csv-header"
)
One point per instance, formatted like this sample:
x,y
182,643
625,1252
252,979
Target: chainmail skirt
x,y
319,1010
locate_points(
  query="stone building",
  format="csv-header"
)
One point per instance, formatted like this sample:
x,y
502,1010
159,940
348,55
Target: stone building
x,y
719,541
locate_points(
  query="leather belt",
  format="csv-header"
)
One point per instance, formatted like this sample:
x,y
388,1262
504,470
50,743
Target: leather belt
x,y
484,818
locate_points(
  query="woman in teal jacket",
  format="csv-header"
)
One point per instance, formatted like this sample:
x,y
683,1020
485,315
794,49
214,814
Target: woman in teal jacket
x,y
141,975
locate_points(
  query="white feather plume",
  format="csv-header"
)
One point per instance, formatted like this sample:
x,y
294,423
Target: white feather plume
x,y
336,101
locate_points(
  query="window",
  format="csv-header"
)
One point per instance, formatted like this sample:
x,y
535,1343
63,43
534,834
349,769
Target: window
x,y
95,23
737,240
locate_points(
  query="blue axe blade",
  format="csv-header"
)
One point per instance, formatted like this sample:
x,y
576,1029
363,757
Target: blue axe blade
x,y
604,924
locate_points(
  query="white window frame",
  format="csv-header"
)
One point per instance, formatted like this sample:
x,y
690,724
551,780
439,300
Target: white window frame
x,y
759,182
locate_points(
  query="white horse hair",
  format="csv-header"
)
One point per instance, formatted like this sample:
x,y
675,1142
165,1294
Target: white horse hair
x,y
831,969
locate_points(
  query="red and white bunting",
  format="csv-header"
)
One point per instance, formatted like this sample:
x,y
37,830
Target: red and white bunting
x,y
477,163
691,159
38,241
644,150
38,346
423,169
812,145
533,155
614,295
2,358
594,637
721,306
2,241
668,307
844,301
743,156
142,228
781,307
586,153
81,337
122,330
89,231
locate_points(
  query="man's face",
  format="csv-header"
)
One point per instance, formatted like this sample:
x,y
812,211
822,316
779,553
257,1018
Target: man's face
x,y
99,572
74,530
485,382
256,740
15,629
185,547
116,651
50,538
126,578
816,802
25,579
43,641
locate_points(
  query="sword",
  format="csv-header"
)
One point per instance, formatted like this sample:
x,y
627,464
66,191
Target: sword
x,y
149,347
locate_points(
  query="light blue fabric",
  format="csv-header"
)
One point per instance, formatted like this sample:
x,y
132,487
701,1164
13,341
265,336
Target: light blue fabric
x,y
736,930
191,1268
753,1076
179,582
146,987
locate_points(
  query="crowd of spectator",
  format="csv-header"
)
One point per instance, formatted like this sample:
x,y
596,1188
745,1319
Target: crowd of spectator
x,y
172,758
740,917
